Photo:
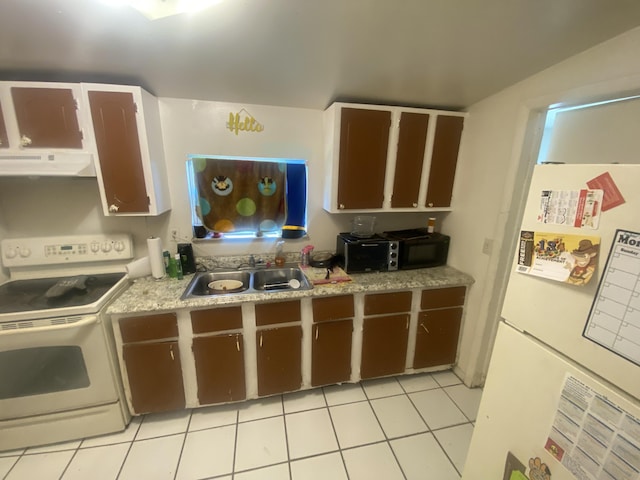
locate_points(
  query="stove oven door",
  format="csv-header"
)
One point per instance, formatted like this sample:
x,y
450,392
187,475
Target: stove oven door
x,y
54,365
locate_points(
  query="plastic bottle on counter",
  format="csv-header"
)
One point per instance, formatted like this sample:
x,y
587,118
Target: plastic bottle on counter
x,y
280,260
179,274
305,255
172,270
166,256
431,225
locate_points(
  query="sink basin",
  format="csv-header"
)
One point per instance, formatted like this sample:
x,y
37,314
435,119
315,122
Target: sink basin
x,y
217,283
234,282
279,279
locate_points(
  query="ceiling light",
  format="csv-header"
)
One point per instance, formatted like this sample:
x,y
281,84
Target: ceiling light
x,y
155,9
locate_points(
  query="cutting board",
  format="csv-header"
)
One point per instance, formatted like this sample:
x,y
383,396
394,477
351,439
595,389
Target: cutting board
x,y
317,276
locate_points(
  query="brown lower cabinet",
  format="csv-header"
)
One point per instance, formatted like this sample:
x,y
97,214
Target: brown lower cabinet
x,y
384,345
331,352
437,337
155,376
219,361
279,358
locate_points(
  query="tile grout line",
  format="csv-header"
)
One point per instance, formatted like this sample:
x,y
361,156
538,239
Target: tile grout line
x,y
335,434
286,436
388,443
235,445
432,430
16,462
75,452
124,460
184,442
456,403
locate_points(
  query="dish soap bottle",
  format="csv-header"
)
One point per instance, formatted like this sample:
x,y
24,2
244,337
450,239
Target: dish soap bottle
x,y
178,263
279,253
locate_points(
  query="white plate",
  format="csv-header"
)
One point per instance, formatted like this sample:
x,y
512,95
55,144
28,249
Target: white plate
x,y
225,285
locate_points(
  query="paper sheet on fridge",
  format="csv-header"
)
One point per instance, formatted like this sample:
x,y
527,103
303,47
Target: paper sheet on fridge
x,y
558,256
575,208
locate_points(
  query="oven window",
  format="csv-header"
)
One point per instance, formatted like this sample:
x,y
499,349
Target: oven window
x,y
40,370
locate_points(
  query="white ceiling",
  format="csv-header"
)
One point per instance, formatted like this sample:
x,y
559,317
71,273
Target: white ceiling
x,y
308,53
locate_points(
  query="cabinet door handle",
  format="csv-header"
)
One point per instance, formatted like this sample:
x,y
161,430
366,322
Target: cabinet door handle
x,y
25,141
430,204
260,340
171,352
237,343
407,325
317,332
415,205
113,208
425,328
341,206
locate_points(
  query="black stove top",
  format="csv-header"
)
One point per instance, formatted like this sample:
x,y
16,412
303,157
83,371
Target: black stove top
x,y
31,294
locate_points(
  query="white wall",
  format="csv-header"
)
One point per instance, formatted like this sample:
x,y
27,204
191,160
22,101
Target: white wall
x,y
62,206
199,127
489,179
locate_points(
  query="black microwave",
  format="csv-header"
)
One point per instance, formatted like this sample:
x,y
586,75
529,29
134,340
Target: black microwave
x,y
418,248
366,254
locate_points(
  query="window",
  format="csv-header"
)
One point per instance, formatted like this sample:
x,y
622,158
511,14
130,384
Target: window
x,y
243,197
600,132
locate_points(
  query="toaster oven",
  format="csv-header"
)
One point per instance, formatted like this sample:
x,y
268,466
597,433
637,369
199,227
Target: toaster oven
x,y
366,254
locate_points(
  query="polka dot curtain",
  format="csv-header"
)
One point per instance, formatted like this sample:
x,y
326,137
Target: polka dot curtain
x,y
241,196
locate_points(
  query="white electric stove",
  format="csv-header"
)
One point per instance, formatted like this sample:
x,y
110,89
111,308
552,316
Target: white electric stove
x,y
58,373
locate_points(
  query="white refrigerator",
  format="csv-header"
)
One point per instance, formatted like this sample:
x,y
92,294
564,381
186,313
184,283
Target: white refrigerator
x,y
561,398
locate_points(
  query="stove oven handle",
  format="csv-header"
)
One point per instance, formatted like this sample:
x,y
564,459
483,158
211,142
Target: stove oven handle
x,y
91,319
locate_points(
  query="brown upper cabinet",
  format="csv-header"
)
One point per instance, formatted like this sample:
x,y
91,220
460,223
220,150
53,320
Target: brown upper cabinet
x,y
364,137
412,140
47,117
125,122
42,116
444,159
384,158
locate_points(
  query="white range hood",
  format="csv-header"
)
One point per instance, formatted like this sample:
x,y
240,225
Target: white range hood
x,y
62,164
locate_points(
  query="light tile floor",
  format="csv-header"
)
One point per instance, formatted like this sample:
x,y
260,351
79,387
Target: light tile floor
x,y
414,427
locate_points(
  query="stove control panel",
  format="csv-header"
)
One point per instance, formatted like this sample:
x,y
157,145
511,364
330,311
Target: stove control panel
x,y
25,252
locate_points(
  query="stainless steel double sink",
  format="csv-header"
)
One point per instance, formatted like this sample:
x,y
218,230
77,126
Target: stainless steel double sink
x,y
242,282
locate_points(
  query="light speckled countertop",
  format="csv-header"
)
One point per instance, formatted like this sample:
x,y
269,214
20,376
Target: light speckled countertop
x,y
149,295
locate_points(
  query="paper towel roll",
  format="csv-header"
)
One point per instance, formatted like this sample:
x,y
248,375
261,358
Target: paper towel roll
x,y
154,245
139,268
